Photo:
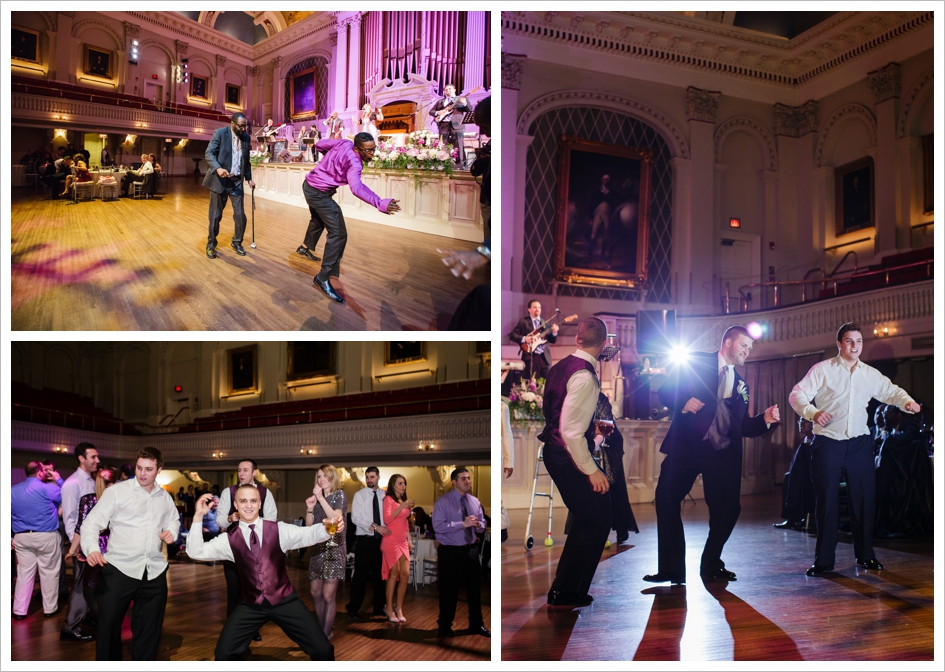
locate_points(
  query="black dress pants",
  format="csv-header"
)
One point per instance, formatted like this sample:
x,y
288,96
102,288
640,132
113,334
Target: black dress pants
x,y
535,364
147,616
291,615
233,189
798,500
591,516
721,479
830,460
326,216
459,566
367,567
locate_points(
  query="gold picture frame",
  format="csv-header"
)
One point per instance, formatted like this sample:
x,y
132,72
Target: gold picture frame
x,y
403,352
98,62
242,369
25,44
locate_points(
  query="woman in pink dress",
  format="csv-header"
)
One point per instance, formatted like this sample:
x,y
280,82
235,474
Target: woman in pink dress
x,y
395,547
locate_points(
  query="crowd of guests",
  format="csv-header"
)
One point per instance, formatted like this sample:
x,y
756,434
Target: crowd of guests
x,y
902,449
238,527
68,166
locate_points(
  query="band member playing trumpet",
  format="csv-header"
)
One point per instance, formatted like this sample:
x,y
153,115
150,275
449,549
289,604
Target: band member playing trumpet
x,y
526,332
448,113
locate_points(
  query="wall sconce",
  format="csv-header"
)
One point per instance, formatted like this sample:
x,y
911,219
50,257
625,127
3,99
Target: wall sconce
x,y
60,133
880,330
59,449
309,451
130,139
182,143
426,447
218,455
103,136
735,223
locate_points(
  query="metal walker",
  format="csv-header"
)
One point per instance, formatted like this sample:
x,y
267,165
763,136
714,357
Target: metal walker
x,y
529,540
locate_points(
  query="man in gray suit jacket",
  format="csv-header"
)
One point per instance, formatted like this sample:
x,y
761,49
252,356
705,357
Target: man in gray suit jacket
x,y
228,158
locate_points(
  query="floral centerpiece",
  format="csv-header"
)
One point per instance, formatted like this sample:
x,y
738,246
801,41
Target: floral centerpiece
x,y
525,399
422,150
257,156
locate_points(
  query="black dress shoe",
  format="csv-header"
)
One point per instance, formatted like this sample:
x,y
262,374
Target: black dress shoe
x,y
784,524
719,575
659,577
19,617
211,253
482,631
873,563
817,570
75,636
257,637
622,537
445,632
307,253
239,249
328,289
353,616
561,598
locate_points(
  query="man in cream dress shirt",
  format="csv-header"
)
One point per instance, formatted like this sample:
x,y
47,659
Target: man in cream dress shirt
x,y
140,515
842,387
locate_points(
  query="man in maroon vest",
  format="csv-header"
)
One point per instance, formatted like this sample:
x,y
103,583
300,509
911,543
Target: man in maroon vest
x,y
246,472
571,392
258,548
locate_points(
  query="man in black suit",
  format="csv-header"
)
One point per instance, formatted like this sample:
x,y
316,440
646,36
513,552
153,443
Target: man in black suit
x,y
709,400
451,125
228,158
538,361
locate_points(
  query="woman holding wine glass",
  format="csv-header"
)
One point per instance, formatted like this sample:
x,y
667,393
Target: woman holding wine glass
x,y
327,566
395,547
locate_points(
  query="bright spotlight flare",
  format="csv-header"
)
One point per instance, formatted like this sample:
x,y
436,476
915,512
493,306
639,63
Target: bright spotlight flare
x,y
679,354
755,330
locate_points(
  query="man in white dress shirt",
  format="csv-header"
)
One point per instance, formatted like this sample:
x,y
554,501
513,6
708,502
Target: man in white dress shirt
x,y
367,513
80,483
571,391
246,472
842,387
140,515
258,548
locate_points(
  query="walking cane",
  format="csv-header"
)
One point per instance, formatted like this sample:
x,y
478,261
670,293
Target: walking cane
x,y
253,192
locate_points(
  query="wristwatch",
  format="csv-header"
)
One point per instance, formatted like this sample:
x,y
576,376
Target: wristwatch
x,y
485,251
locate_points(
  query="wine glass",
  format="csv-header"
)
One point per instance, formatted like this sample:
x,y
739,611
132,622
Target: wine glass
x,y
332,527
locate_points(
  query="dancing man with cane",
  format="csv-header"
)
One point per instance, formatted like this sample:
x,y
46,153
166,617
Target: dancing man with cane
x,y
228,160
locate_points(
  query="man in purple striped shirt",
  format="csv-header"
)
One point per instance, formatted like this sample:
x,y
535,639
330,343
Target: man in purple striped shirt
x,y
342,164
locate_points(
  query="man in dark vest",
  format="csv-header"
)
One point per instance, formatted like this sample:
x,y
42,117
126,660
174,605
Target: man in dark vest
x,y
258,548
571,392
227,515
709,400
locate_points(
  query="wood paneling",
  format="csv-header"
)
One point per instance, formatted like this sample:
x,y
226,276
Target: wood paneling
x,y
772,612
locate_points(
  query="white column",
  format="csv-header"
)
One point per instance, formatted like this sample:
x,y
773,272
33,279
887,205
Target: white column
x,y
341,69
62,69
354,62
219,91
771,230
517,247
910,197
884,172
278,92
703,232
682,238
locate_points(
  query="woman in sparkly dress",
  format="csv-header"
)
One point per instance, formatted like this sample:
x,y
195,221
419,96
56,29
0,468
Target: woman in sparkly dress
x,y
327,566
105,478
395,547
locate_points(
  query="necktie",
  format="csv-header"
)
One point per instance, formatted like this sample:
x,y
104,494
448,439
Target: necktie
x,y
377,514
467,530
253,540
718,434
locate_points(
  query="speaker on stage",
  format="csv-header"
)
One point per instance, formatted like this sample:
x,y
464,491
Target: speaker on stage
x,y
656,331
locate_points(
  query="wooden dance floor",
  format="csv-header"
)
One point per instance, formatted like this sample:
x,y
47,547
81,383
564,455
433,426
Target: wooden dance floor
x,y
772,612
196,611
140,265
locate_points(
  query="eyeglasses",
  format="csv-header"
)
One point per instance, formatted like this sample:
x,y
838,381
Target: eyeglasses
x,y
239,125
367,150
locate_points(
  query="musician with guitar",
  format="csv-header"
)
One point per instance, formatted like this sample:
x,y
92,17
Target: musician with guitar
x,y
532,335
448,113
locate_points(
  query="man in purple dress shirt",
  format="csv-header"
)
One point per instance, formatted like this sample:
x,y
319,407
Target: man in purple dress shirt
x,y
457,516
341,165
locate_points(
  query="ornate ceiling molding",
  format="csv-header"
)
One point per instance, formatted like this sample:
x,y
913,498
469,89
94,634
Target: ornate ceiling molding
x,y
701,104
796,121
659,121
849,110
512,66
751,127
212,40
920,87
707,46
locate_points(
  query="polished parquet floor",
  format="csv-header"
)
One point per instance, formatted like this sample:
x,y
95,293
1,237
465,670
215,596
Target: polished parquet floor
x,y
772,612
196,611
140,265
